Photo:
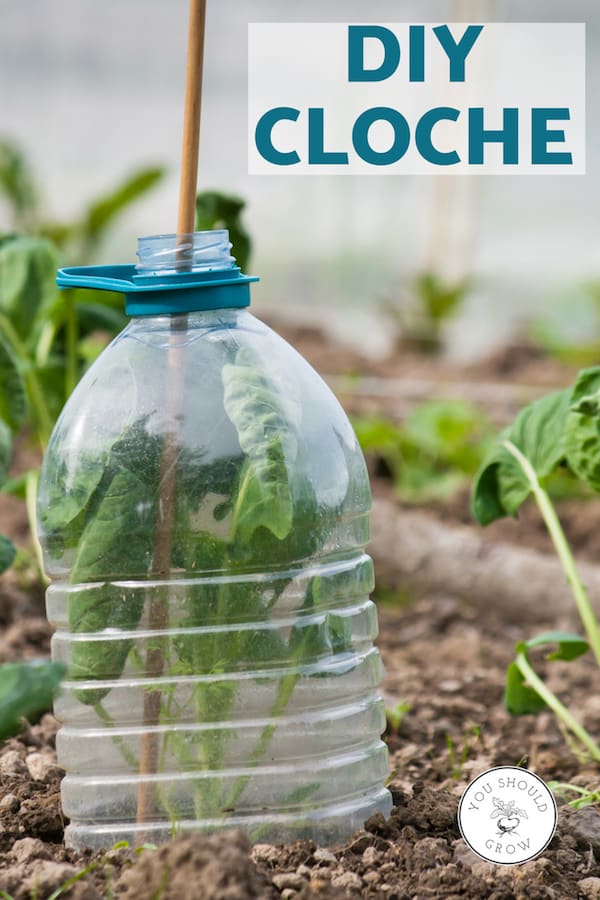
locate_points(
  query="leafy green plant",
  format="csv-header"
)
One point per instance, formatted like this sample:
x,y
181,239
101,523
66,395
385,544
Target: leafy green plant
x,y
26,690
431,303
433,453
48,339
561,429
17,185
217,210
79,239
105,521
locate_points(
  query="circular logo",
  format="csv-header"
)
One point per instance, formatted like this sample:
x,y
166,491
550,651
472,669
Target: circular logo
x,y
507,815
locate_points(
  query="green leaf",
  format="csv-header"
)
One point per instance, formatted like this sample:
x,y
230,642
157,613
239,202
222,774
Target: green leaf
x,y
13,402
27,273
519,698
117,539
501,485
216,210
5,452
265,434
570,646
17,184
7,553
26,690
582,437
440,300
102,212
69,492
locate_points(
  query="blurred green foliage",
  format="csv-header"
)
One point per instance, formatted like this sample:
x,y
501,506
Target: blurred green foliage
x,y
570,328
26,691
431,302
216,210
433,453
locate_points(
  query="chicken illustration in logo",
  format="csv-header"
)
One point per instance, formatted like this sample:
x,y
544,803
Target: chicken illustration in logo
x,y
508,814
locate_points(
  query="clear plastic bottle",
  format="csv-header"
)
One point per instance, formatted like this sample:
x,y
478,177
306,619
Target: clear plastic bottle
x,y
204,511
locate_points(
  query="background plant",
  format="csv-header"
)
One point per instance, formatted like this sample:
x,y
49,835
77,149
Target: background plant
x,y
49,338
430,303
433,453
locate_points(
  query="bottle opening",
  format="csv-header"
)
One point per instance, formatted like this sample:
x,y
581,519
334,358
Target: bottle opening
x,y
168,254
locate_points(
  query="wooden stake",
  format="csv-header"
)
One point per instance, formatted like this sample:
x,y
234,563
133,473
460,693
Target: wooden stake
x,y
158,614
188,184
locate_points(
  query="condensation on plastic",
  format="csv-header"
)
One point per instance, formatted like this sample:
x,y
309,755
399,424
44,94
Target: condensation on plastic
x,y
294,750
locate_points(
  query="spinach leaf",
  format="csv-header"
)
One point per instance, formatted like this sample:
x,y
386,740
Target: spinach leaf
x,y
264,496
68,493
104,210
26,690
27,268
117,541
501,485
5,451
7,553
13,402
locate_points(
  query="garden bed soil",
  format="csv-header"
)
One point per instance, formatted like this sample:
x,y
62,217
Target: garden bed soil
x,y
445,661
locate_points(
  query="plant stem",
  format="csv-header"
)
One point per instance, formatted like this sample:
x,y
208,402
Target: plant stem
x,y
158,598
71,331
584,607
128,755
31,486
35,393
556,706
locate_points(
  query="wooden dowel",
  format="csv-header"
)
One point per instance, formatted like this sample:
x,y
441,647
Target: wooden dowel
x,y
158,612
188,184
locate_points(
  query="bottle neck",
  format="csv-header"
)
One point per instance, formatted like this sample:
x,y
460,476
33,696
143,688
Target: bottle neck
x,y
188,254
175,276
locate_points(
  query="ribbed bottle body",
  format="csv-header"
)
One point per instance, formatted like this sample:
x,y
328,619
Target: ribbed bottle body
x,y
237,686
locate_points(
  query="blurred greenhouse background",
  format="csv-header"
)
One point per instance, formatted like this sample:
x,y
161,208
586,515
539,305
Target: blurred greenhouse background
x,y
92,91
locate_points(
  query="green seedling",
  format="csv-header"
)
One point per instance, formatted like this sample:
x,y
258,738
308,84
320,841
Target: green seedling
x,y
583,796
103,861
433,453
561,429
395,714
458,760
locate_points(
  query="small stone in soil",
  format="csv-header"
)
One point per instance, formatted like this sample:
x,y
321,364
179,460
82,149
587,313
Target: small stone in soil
x,y
371,856
348,881
265,853
324,856
590,888
47,876
41,765
12,764
9,802
291,880
29,848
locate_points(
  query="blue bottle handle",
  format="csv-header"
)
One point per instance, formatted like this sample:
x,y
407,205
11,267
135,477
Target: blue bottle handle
x,y
155,295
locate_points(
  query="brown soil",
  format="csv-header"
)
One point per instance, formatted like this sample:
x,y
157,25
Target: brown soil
x,y
455,728
445,661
